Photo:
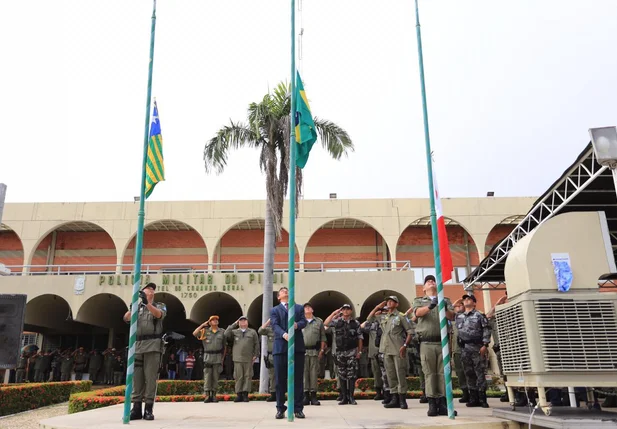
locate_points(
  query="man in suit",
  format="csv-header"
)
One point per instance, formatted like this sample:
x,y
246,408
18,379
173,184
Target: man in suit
x,y
278,318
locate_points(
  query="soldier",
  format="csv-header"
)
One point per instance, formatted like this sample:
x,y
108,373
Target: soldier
x,y
96,361
348,337
22,366
213,340
315,344
267,330
118,370
81,362
39,367
66,366
456,356
372,328
396,337
429,335
363,370
108,364
148,350
474,336
244,352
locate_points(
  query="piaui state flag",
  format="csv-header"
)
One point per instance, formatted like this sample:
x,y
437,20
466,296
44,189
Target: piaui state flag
x,y
305,127
444,248
155,170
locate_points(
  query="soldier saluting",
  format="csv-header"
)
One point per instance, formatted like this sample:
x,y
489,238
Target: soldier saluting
x,y
148,349
474,336
213,340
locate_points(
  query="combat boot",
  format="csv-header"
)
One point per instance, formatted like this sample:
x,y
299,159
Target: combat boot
x,y
148,412
245,396
403,401
423,398
340,395
378,394
345,398
473,399
394,402
465,398
504,397
387,397
306,400
136,411
208,397
314,400
520,399
482,399
239,397
213,396
351,388
272,397
432,407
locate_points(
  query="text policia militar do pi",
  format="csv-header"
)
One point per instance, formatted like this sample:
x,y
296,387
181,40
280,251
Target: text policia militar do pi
x,y
190,284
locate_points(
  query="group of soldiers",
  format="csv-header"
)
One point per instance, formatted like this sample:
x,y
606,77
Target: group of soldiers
x,y
107,367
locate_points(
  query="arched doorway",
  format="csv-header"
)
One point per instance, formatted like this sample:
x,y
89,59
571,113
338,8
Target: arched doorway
x,y
371,302
223,305
255,309
175,320
324,303
104,312
11,249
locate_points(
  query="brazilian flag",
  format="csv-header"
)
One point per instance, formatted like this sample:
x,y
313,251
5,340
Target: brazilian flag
x,y
306,134
155,170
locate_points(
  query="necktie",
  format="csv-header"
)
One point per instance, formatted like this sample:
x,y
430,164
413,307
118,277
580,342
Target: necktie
x,y
286,306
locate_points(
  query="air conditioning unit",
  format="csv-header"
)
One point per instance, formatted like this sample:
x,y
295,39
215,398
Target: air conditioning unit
x,y
551,338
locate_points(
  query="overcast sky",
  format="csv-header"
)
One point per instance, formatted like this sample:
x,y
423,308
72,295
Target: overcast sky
x,y
512,89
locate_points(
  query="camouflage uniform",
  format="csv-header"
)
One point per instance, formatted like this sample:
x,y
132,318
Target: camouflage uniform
x,y
347,335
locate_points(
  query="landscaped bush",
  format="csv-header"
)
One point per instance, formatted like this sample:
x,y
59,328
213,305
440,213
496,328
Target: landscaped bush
x,y
24,397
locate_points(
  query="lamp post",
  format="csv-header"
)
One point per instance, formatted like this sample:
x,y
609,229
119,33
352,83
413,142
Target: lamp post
x,y
604,141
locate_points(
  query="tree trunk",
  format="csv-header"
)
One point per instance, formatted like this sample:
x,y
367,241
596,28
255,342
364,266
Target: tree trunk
x,y
269,250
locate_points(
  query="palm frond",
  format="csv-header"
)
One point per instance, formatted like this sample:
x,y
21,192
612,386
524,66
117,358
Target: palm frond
x,y
334,139
232,136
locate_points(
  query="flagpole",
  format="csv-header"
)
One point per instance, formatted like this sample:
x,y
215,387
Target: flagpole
x,y
292,227
443,323
140,235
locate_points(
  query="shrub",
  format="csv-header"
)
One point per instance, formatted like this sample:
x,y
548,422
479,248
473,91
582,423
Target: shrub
x,y
24,397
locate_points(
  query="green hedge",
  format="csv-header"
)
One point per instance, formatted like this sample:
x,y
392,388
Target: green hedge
x,y
24,397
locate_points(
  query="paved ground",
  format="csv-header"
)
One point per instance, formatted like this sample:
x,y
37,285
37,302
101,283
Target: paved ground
x,y
30,419
260,415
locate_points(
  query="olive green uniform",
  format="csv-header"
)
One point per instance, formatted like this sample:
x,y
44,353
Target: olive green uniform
x,y
245,348
395,328
81,362
373,351
429,335
39,364
269,332
148,350
456,357
314,334
20,373
214,346
66,366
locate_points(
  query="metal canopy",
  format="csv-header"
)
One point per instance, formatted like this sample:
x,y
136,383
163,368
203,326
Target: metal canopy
x,y
584,186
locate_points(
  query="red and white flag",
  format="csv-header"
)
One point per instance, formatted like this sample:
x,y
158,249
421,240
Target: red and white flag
x,y
444,248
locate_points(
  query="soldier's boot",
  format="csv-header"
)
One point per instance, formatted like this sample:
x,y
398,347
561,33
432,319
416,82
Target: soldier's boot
x,y
394,402
345,399
432,407
504,397
148,412
245,396
351,388
314,400
272,397
387,397
423,398
378,394
136,411
340,394
482,399
306,400
465,398
473,399
403,401
239,396
520,399
208,398
442,406
213,396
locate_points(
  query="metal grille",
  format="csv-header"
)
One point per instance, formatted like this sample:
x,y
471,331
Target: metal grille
x,y
513,340
578,335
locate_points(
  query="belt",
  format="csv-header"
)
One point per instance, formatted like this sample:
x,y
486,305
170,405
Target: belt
x,y
213,352
430,339
148,337
477,342
315,347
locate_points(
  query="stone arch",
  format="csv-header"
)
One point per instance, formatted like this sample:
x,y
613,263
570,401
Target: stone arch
x,y
346,243
415,244
75,243
255,309
11,247
176,319
48,312
220,303
169,245
325,302
241,247
501,230
382,295
104,310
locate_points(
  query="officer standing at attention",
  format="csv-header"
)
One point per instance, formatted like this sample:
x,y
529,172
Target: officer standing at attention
x,y
396,337
148,350
371,328
267,331
456,355
81,362
244,352
22,365
428,329
474,336
314,335
213,340
348,337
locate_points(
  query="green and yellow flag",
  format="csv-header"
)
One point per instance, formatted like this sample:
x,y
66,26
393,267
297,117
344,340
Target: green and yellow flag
x,y
155,170
306,134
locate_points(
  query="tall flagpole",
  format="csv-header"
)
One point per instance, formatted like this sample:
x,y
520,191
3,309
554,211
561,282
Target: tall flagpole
x,y
443,322
292,227
140,236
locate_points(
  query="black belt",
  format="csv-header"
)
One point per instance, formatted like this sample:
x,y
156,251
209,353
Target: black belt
x,y
148,337
315,347
214,352
477,342
430,339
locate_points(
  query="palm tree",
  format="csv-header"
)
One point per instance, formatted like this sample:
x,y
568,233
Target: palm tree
x,y
268,131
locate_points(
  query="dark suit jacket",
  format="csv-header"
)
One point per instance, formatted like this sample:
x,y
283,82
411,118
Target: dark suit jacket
x,y
278,321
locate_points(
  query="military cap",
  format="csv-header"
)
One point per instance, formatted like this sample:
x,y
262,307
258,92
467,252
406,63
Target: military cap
x,y
429,277
346,306
150,285
243,317
308,304
393,298
213,317
472,297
